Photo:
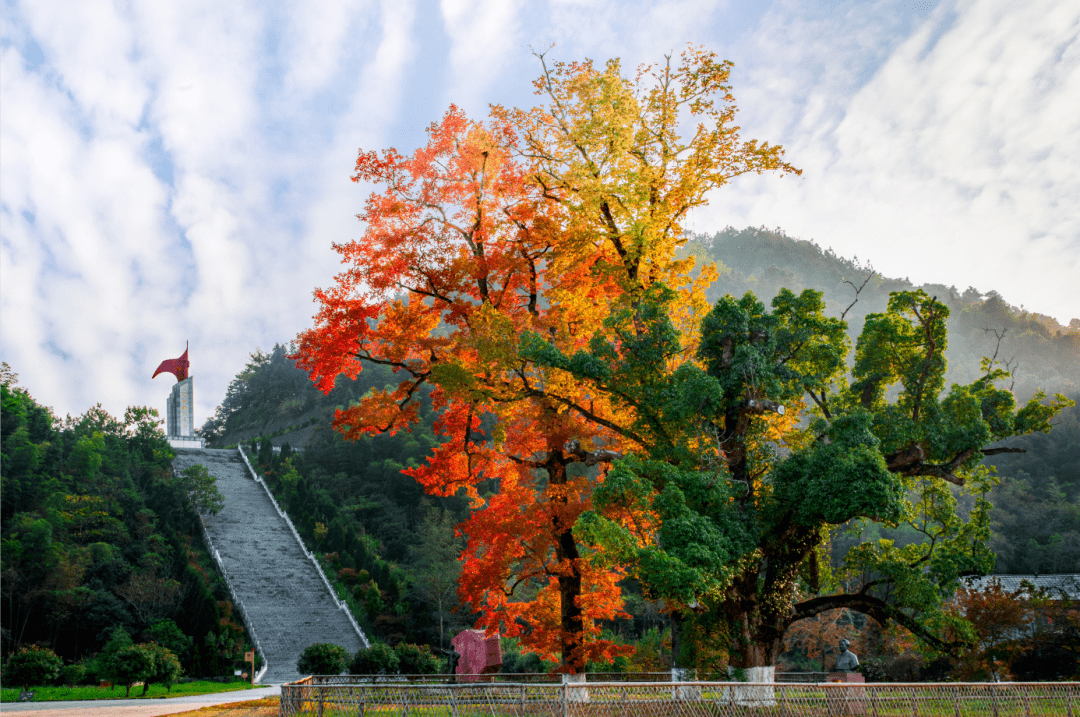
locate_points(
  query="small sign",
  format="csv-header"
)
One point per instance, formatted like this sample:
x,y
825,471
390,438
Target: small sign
x,y
237,672
249,656
25,696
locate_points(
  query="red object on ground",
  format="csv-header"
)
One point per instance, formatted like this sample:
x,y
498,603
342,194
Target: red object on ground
x,y
177,366
480,655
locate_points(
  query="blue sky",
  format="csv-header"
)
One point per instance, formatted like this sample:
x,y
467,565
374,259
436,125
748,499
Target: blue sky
x,y
175,172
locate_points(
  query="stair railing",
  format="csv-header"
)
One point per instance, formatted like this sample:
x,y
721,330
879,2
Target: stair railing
x,y
342,605
236,600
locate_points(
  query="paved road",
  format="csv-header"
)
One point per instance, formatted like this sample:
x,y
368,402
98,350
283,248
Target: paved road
x,y
136,708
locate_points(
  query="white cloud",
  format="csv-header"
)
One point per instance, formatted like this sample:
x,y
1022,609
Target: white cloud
x,y
954,163
177,172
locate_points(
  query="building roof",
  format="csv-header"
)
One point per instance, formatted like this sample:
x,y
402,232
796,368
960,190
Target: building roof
x,y
1061,586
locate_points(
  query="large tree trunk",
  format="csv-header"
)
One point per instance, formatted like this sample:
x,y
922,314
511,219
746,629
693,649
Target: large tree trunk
x,y
572,624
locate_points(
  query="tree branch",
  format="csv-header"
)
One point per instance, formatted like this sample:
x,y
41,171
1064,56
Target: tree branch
x,y
591,458
909,461
995,451
877,609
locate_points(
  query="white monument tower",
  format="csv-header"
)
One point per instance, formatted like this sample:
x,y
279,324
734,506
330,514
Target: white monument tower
x,y
180,405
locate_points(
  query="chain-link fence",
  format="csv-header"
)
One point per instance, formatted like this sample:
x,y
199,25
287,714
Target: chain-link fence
x,y
340,696
515,677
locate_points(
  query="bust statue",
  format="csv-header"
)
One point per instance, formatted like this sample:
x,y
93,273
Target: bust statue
x,y
847,661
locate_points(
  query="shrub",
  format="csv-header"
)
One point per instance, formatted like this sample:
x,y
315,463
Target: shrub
x,y
32,666
72,675
416,659
322,658
378,659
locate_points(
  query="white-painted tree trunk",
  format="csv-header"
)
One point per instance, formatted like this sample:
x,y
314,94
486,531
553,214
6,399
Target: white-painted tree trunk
x,y
684,692
575,694
756,695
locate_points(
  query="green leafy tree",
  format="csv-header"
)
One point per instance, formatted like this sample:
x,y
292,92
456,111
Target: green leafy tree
x,y
167,634
32,666
134,663
416,659
373,602
436,568
201,489
727,504
323,658
379,659
118,640
166,667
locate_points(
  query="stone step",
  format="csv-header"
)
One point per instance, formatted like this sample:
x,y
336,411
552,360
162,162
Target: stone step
x,y
287,603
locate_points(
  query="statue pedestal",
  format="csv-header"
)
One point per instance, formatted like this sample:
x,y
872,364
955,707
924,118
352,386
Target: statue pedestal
x,y
844,697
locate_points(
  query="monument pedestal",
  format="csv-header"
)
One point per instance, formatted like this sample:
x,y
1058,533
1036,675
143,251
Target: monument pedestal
x,y
844,697
186,442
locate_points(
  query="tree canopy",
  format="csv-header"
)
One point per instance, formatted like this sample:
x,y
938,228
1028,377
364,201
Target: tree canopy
x,y
726,503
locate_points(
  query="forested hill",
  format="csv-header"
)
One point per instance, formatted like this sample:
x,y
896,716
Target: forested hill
x,y
101,545
1037,520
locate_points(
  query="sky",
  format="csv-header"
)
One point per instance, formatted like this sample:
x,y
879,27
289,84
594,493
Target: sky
x,y
178,172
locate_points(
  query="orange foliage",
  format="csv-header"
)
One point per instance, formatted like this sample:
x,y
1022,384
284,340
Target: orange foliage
x,y
818,637
1002,621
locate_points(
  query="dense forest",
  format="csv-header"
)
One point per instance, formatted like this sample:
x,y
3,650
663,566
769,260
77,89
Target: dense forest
x,y
100,539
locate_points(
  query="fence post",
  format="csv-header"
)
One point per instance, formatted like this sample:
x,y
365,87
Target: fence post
x,y
562,693
321,688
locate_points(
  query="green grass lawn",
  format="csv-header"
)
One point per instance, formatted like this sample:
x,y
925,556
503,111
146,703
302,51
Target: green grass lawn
x,y
52,694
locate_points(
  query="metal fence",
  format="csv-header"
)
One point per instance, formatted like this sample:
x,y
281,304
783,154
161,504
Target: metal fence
x,y
337,696
497,677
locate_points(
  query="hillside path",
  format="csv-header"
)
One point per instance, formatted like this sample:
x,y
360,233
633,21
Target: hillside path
x,y
286,600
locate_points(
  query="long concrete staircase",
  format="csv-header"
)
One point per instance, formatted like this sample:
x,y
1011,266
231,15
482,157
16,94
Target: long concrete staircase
x,y
285,601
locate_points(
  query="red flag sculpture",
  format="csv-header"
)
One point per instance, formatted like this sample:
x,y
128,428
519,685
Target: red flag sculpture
x,y
178,366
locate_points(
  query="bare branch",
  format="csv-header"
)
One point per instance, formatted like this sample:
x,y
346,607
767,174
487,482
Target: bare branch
x,y
858,289
591,458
